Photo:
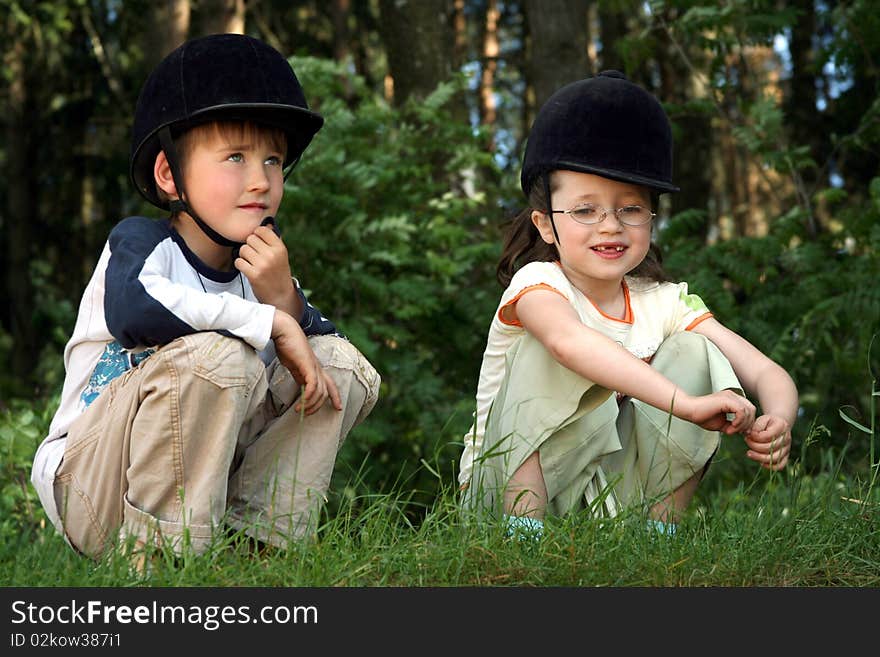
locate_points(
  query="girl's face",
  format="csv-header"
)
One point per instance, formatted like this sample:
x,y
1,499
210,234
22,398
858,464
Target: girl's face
x,y
597,255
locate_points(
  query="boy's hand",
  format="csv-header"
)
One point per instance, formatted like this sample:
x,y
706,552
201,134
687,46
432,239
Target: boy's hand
x,y
713,412
294,352
264,260
769,442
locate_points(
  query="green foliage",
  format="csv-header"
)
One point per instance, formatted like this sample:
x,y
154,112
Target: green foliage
x,y
762,132
391,228
806,292
56,316
813,305
22,428
721,28
735,22
7,380
852,43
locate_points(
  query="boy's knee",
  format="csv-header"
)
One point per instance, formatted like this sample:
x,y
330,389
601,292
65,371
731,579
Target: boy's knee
x,y
345,362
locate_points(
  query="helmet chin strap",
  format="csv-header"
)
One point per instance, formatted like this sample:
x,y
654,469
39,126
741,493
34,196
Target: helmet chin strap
x,y
546,178
178,204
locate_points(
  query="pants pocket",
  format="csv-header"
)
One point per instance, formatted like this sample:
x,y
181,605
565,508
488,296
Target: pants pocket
x,y
225,362
82,528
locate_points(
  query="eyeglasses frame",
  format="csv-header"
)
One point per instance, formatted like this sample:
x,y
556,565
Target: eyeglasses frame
x,y
605,212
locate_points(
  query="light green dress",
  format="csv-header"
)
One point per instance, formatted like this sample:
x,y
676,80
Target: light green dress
x,y
595,453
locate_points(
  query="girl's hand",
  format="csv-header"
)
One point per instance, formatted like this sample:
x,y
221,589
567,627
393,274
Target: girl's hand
x,y
769,442
724,411
264,260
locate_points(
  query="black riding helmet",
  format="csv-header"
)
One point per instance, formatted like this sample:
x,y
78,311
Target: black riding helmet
x,y
604,125
217,77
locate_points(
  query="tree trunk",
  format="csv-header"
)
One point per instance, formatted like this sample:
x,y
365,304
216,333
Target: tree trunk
x,y
491,50
612,27
557,44
805,119
21,214
459,22
419,41
167,27
340,12
679,85
221,17
366,25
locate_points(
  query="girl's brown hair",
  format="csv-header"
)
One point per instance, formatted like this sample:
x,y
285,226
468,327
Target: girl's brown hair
x,y
523,243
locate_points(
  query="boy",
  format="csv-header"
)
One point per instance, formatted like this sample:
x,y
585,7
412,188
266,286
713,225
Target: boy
x,y
201,386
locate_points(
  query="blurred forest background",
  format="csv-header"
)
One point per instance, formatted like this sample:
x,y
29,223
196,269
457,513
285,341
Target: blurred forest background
x,y
394,216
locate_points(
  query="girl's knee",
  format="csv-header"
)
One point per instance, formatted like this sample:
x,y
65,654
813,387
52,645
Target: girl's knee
x,y
695,364
687,359
684,342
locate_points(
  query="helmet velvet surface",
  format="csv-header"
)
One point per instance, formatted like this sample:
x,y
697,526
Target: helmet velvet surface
x,y
218,77
604,125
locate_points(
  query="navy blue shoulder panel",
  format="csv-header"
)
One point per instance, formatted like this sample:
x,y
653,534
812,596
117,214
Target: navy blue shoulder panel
x,y
312,321
133,316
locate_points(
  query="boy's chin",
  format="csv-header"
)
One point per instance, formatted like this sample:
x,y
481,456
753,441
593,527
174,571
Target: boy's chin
x,y
245,229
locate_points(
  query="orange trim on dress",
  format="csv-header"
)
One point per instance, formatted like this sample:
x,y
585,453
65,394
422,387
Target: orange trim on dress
x,y
512,302
627,313
699,319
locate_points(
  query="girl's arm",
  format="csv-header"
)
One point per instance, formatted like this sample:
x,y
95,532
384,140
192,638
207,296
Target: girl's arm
x,y
769,439
551,320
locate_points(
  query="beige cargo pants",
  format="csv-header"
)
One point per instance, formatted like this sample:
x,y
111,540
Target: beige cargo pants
x,y
201,435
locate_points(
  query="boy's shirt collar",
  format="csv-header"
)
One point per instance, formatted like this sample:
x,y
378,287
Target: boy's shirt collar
x,y
195,261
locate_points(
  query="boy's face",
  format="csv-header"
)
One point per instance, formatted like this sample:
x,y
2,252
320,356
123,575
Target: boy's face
x,y
234,179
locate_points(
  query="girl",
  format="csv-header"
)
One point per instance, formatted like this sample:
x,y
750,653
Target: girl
x,y
603,384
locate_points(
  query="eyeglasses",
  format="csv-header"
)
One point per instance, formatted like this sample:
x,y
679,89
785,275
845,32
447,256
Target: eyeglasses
x,y
629,215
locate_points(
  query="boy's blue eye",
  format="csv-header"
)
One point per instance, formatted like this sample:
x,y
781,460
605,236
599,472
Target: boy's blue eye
x,y
631,209
273,160
236,157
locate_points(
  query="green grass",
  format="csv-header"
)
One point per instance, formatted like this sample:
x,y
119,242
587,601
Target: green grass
x,y
746,527
802,533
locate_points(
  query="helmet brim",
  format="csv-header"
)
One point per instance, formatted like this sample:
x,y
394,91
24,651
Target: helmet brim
x,y
622,176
